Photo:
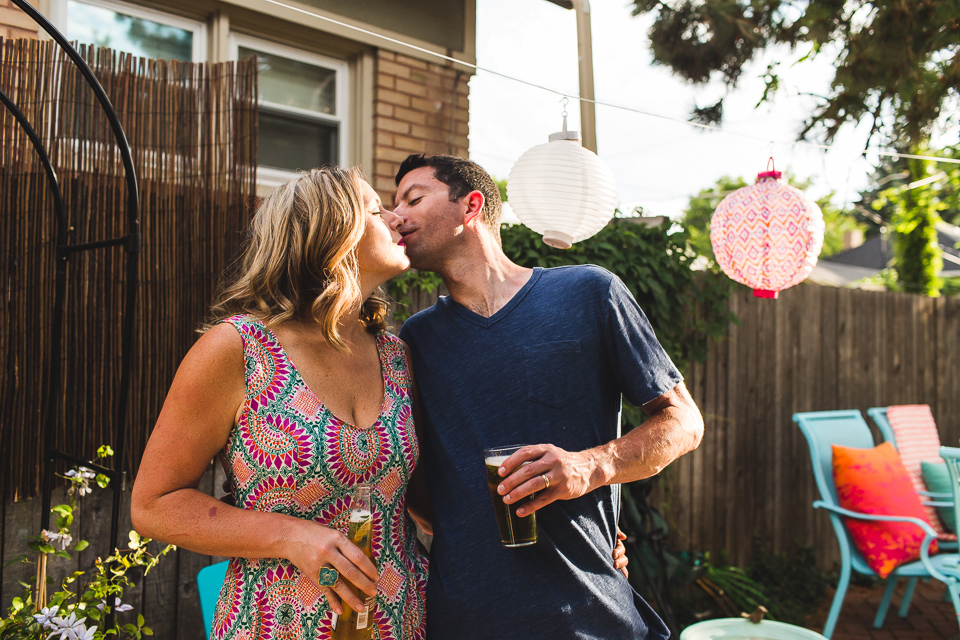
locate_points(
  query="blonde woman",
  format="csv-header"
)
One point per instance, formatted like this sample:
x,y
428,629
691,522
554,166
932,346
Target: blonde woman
x,y
304,396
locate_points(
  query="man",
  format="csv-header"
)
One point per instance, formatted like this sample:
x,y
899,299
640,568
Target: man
x,y
538,357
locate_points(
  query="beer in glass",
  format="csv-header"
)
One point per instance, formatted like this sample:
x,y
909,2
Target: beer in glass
x,y
514,530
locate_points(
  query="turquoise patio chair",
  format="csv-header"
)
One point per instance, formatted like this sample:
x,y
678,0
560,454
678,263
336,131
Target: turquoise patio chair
x,y
848,428
209,582
951,456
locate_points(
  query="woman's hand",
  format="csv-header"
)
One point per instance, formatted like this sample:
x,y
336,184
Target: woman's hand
x,y
620,555
312,546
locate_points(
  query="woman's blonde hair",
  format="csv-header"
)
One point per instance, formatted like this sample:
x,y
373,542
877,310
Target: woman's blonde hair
x,y
300,258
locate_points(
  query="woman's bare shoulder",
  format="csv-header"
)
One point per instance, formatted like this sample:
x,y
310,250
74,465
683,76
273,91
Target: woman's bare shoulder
x,y
218,353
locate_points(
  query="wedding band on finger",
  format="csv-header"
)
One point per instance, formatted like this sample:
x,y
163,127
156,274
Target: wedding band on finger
x,y
546,481
328,576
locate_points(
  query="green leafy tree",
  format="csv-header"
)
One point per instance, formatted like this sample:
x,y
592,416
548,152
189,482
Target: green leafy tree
x,y
895,173
699,211
896,66
916,208
838,223
502,187
908,197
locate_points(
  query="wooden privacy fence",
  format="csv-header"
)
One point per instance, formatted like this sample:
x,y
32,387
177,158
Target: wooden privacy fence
x,y
192,130
814,349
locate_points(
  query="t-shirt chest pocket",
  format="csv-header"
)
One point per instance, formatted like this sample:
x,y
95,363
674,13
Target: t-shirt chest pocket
x,y
554,372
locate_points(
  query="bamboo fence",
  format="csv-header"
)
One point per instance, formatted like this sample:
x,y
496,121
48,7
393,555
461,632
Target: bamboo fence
x,y
192,129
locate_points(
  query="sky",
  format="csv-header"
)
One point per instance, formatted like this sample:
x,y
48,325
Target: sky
x,y
657,164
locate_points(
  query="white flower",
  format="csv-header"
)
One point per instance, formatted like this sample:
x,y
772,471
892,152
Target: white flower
x,y
84,489
87,473
45,617
68,628
63,539
119,607
88,633
73,473
79,632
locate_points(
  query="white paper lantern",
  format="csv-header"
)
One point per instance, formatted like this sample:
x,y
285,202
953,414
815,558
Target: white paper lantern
x,y
562,190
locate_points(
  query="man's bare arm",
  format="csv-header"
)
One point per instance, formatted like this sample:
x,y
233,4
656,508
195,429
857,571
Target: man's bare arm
x,y
674,427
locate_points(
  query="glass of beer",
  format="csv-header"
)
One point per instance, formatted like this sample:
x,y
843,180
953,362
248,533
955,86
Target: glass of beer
x,y
514,530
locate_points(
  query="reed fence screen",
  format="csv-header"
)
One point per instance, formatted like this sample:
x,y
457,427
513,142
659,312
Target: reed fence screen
x,y
193,133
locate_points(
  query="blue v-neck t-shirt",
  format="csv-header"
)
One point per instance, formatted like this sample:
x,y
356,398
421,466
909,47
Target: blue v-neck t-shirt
x,y
549,367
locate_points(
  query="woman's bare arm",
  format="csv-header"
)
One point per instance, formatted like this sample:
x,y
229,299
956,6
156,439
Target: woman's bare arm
x,y
194,424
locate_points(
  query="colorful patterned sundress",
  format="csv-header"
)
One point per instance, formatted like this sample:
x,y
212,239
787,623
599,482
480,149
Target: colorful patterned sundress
x,y
289,454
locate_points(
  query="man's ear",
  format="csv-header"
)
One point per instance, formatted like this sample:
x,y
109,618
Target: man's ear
x,y
474,202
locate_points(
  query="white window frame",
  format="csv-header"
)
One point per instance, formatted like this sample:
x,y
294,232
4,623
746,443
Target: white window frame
x,y
269,176
58,13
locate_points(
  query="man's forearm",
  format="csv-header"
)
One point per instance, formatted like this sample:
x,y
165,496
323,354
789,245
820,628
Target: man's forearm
x,y
648,449
673,428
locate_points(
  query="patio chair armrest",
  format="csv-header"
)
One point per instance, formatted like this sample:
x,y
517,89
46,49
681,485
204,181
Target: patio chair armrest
x,y
935,495
926,528
929,534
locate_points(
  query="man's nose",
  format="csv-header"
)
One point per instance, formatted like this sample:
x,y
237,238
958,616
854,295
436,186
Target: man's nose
x,y
394,220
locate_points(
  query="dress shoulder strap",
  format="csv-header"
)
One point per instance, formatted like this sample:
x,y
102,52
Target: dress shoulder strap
x,y
393,361
266,366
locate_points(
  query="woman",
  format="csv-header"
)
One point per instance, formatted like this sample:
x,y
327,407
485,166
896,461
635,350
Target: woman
x,y
304,396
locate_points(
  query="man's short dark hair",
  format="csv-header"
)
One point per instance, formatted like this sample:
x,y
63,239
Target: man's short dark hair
x,y
461,177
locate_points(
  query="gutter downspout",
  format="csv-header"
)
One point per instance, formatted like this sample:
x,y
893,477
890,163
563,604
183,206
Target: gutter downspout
x,y
588,111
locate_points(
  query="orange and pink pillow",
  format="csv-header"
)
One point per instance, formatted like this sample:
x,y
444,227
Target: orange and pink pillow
x,y
874,481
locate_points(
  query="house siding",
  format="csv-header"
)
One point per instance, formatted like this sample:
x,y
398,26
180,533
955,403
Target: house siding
x,y
421,107
14,23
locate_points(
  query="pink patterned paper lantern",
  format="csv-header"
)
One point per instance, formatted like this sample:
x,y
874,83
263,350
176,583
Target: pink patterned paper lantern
x,y
767,235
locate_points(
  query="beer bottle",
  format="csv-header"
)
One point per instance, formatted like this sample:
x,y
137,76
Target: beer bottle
x,y
358,625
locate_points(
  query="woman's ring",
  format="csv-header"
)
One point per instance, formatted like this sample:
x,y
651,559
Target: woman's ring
x,y
328,576
546,481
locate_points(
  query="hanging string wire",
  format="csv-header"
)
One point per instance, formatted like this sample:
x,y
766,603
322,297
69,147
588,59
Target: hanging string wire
x,y
700,125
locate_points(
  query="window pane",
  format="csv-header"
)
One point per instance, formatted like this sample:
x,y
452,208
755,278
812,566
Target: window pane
x,y
288,142
107,28
294,84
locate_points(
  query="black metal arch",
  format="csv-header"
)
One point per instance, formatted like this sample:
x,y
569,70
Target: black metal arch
x,y
131,244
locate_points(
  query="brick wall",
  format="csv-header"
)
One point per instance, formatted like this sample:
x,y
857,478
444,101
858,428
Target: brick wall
x,y
421,107
14,23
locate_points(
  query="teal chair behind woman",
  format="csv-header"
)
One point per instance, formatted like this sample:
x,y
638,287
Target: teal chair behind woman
x,y
823,429
209,583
